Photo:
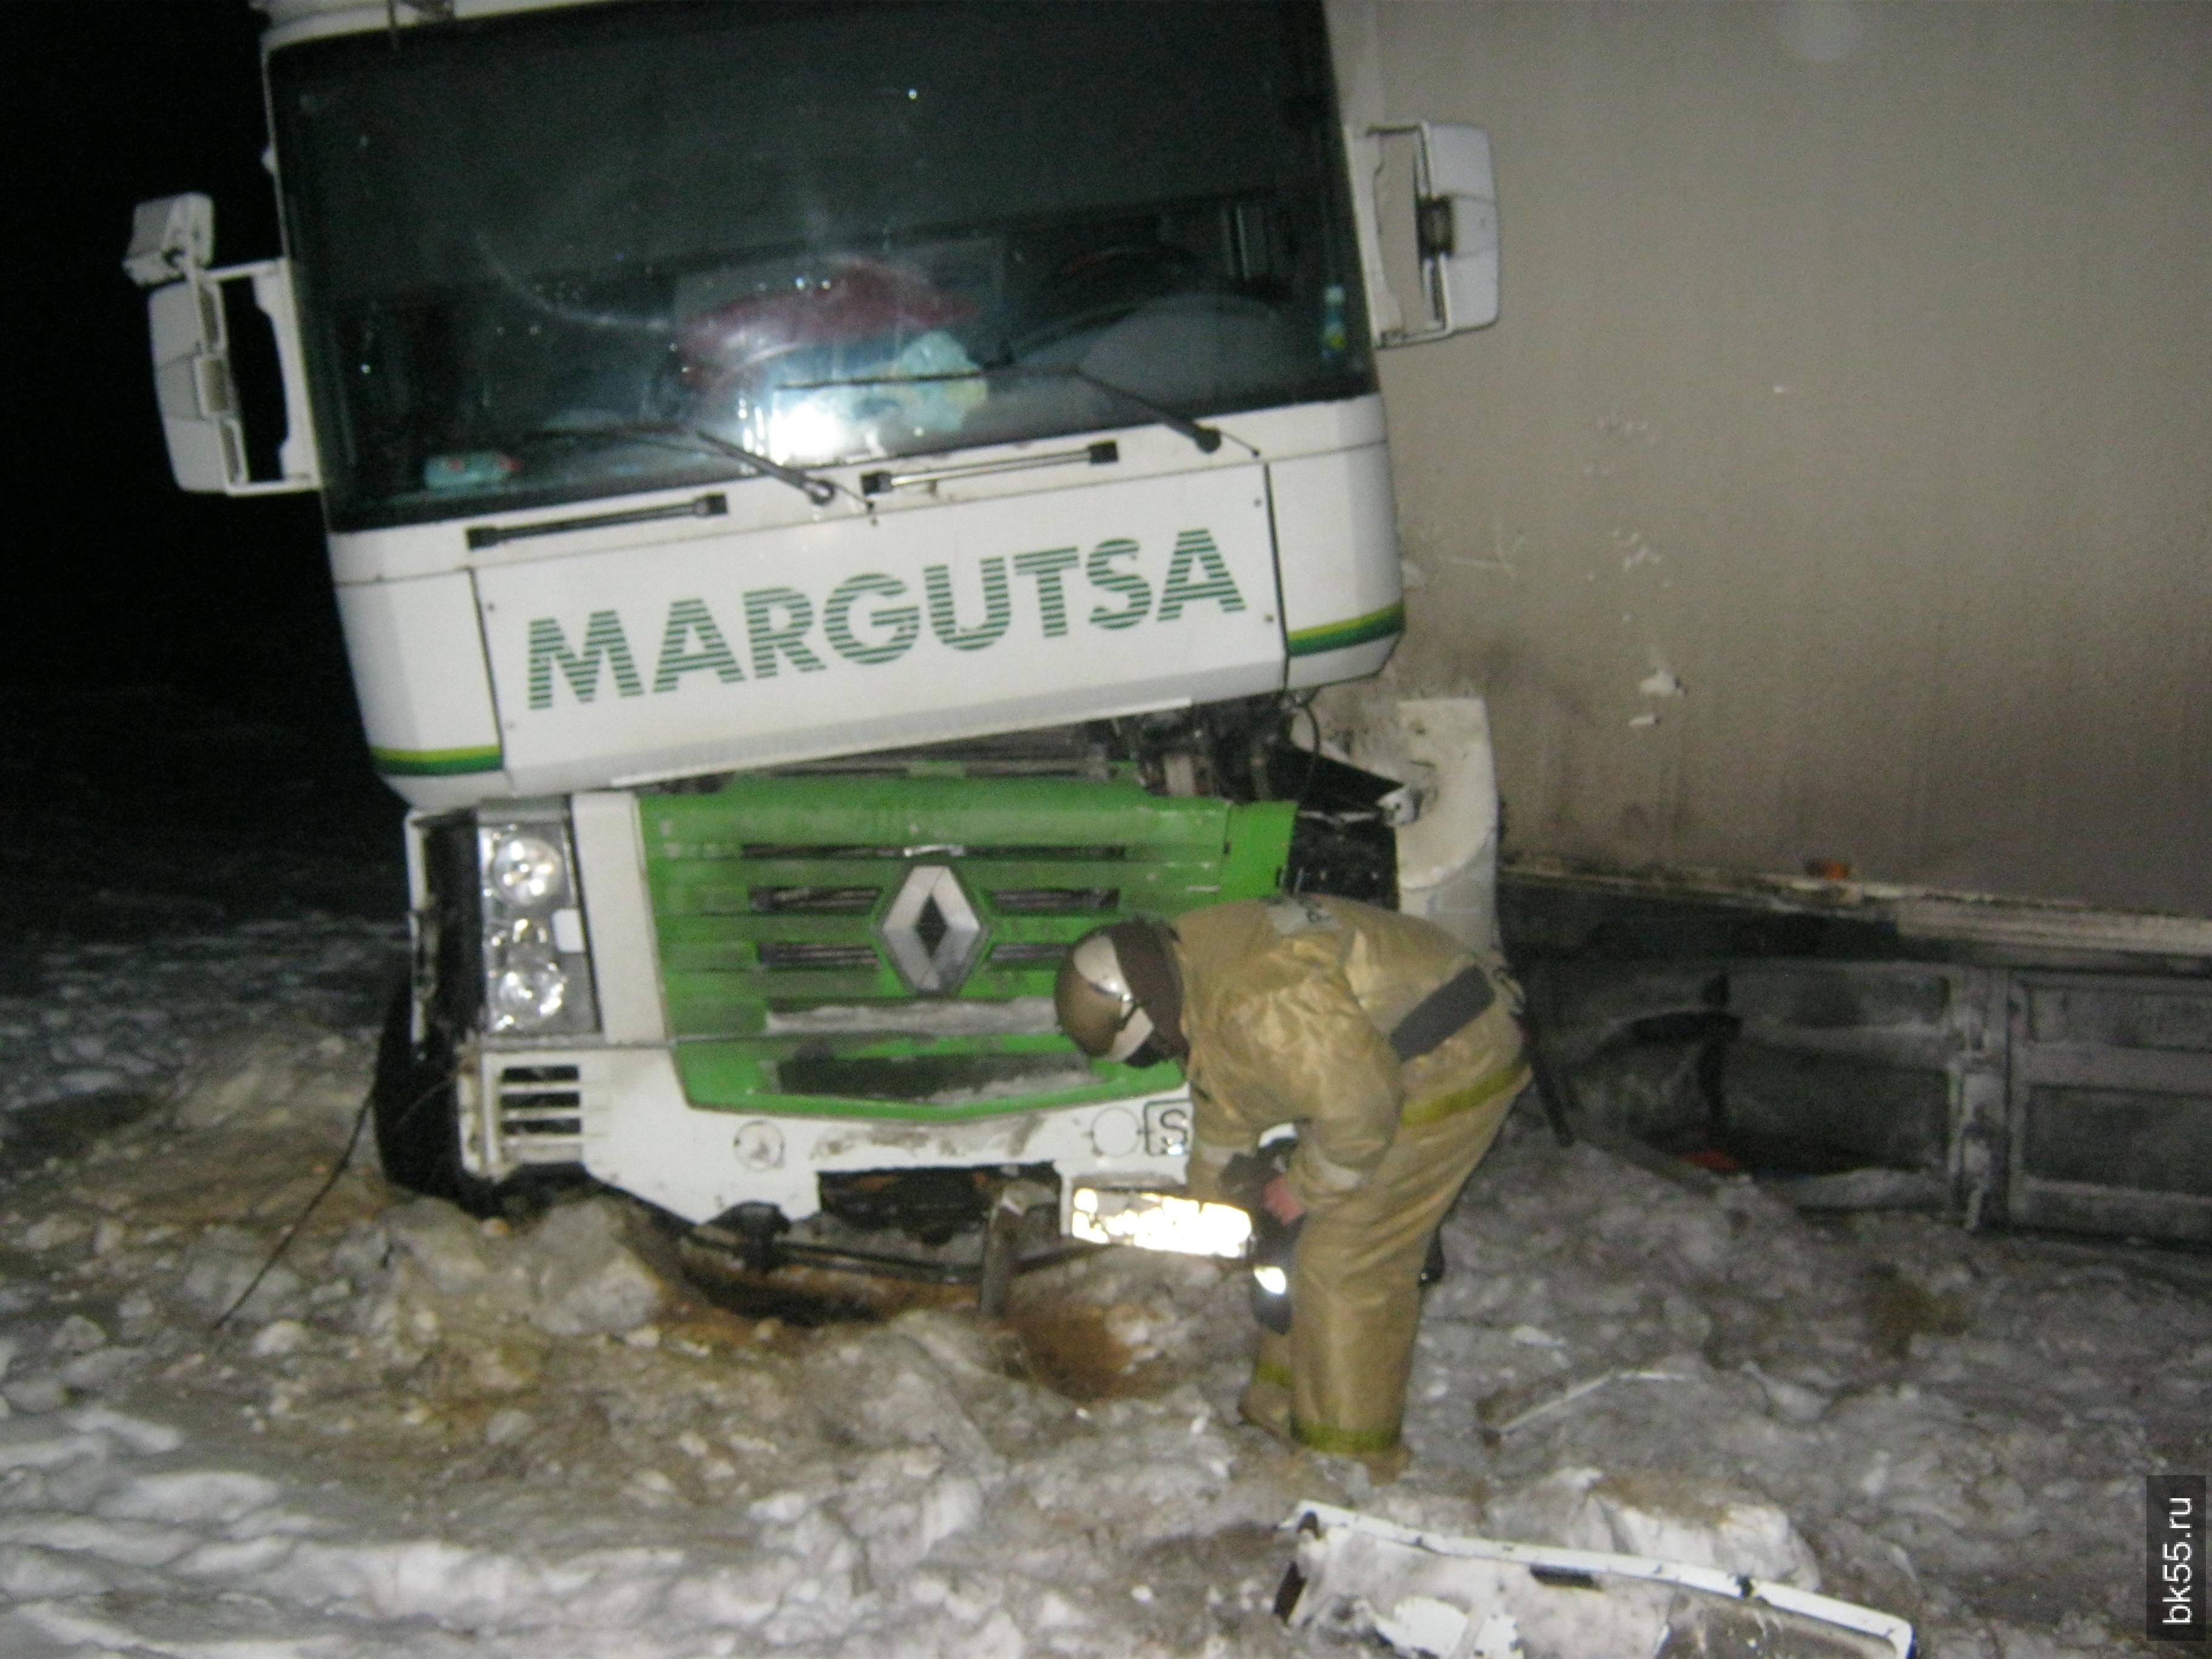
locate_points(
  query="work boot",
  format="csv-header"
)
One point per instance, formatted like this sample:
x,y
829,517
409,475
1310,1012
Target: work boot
x,y
1266,1405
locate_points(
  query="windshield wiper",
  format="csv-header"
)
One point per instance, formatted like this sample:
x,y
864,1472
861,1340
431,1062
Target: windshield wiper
x,y
1207,438
675,435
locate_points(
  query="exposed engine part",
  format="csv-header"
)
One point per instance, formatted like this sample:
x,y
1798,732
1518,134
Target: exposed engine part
x,y
1346,840
1219,749
928,1206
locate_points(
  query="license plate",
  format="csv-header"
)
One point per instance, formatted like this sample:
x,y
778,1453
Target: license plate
x,y
1158,1221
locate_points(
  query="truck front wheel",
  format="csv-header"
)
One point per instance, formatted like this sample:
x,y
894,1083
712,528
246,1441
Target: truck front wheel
x,y
416,1108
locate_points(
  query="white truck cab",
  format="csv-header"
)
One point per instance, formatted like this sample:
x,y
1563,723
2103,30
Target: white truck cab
x,y
827,505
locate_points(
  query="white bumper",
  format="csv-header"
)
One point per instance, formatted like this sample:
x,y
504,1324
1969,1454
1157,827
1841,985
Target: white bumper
x,y
634,1129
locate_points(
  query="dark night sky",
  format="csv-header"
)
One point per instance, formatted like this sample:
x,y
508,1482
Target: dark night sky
x,y
122,579
178,741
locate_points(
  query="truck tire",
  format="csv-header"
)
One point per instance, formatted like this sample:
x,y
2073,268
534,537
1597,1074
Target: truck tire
x,y
416,1110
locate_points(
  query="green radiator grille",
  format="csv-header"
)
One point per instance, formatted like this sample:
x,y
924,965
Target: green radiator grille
x,y
881,946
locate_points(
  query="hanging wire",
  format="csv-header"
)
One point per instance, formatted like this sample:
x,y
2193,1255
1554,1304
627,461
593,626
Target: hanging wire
x,y
360,1119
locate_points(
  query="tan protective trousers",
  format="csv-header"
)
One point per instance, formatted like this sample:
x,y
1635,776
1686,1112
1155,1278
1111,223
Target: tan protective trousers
x,y
1355,1289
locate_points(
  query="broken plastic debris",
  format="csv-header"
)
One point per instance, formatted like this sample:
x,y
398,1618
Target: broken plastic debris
x,y
1421,1624
1454,1597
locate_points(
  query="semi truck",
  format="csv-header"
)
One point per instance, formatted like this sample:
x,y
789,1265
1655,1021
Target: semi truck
x,y
827,504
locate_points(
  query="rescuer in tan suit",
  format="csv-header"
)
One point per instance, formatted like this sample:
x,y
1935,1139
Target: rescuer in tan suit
x,y
1395,1050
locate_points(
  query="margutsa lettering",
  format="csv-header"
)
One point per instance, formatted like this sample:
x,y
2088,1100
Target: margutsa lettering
x,y
876,617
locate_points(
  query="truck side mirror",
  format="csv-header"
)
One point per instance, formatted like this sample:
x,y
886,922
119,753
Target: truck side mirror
x,y
172,241
1455,229
170,237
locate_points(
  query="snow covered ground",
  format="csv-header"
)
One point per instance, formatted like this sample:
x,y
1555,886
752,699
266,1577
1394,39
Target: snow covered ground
x,y
428,1436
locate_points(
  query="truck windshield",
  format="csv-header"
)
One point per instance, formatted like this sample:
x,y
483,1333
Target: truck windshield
x,y
576,252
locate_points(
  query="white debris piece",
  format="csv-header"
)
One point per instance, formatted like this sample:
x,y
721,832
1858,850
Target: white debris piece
x,y
1447,1596
1422,1624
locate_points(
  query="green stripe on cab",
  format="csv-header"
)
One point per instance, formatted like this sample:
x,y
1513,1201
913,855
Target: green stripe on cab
x,y
1335,636
436,763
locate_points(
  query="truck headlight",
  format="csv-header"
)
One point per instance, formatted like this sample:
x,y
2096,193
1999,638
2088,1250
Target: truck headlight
x,y
537,959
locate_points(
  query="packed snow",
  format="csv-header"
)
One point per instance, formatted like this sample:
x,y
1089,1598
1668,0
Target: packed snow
x,y
427,1435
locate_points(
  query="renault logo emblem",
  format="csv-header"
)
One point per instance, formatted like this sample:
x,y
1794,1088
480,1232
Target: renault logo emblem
x,y
932,930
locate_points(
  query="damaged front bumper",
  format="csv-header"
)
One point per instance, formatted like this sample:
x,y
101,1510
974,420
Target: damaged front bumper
x,y
1451,1597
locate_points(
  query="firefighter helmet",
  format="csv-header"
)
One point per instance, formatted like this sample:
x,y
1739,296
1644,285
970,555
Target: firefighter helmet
x,y
1118,990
